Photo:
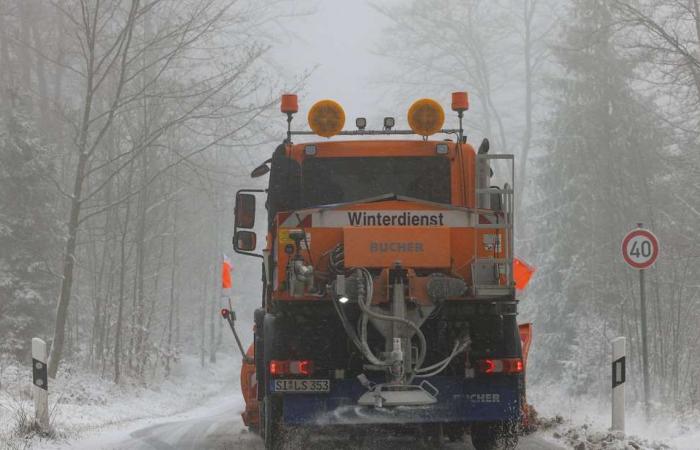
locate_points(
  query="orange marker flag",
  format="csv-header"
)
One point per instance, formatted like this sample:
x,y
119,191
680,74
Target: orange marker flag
x,y
522,272
226,269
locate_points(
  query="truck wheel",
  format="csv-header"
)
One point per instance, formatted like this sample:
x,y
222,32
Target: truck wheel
x,y
454,432
272,422
494,436
432,436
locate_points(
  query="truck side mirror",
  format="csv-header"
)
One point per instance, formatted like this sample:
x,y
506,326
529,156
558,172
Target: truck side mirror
x,y
245,210
261,170
244,241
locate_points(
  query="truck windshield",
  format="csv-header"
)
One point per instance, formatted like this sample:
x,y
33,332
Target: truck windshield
x,y
338,180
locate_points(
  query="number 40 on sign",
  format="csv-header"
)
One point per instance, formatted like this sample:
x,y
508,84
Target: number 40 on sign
x,y
640,248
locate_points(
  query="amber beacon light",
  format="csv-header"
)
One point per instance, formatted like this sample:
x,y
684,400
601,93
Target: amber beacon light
x,y
426,116
289,104
460,101
326,118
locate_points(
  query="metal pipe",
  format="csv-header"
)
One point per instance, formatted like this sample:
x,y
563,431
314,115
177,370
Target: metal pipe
x,y
373,132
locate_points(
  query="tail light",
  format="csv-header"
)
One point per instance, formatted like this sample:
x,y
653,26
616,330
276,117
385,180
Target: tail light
x,y
292,367
503,366
304,367
279,367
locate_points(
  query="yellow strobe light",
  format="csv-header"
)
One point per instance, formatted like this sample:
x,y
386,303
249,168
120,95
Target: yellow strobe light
x,y
326,118
426,116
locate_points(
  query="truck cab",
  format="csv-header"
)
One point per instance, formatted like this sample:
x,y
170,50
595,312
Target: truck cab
x,y
388,297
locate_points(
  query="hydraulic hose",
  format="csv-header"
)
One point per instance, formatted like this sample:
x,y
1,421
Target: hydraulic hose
x,y
365,293
347,327
361,344
423,345
442,365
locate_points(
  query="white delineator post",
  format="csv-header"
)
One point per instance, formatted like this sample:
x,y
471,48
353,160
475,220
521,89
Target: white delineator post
x,y
618,384
40,380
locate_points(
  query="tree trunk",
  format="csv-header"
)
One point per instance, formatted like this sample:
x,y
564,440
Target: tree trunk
x,y
73,222
203,310
122,285
694,68
68,265
41,76
24,58
527,134
212,330
173,278
120,305
139,310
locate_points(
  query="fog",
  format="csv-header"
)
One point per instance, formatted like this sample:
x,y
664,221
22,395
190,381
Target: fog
x,y
338,46
123,142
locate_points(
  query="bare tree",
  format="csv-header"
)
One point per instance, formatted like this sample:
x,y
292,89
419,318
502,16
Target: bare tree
x,y
119,68
494,50
667,34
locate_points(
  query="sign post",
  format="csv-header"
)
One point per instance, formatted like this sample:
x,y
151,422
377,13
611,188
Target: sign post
x,y
40,379
618,384
640,249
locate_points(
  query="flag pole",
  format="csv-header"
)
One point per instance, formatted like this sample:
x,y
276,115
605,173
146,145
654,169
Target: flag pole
x,y
229,314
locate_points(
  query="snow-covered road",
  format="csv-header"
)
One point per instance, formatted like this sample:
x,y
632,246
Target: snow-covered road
x,y
218,426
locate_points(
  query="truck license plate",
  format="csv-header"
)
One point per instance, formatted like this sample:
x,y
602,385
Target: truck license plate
x,y
303,386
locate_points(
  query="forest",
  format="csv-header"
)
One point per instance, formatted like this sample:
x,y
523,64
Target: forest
x,y
126,127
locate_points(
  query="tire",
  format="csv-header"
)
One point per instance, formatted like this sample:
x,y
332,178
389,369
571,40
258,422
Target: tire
x,y
432,436
258,341
455,432
494,435
271,414
273,433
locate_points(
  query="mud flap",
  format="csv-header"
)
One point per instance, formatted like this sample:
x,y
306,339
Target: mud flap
x,y
528,412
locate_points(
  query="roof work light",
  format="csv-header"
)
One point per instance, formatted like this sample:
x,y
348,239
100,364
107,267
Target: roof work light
x,y
361,123
426,116
389,123
326,118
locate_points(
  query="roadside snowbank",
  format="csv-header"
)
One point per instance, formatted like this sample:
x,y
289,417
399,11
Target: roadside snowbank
x,y
82,402
585,424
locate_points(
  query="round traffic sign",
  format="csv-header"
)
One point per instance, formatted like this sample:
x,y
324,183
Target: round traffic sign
x,y
640,248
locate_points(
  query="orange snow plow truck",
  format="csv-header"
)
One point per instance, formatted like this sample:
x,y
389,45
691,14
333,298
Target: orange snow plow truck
x,y
388,283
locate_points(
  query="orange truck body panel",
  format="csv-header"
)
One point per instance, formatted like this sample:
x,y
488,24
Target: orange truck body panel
x,y
249,388
461,172
384,232
451,246
526,339
529,414
384,246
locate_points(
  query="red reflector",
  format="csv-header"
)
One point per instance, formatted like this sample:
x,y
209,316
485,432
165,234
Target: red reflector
x,y
519,366
505,365
224,313
306,367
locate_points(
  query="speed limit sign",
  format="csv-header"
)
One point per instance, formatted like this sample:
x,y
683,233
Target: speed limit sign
x,y
640,248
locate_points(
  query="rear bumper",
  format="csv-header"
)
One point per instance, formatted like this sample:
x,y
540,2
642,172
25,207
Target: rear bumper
x,y
459,400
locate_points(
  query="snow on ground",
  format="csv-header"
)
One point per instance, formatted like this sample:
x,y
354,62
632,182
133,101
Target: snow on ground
x,y
82,403
86,409
587,422
117,434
